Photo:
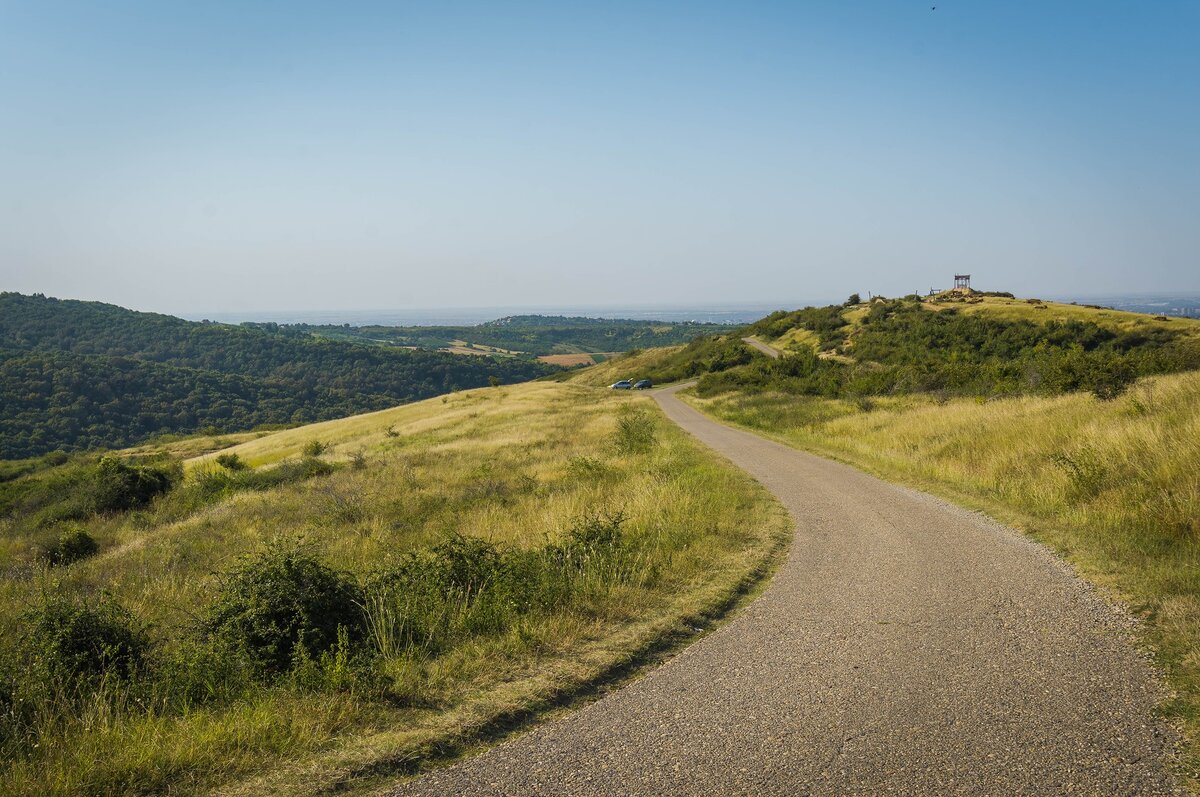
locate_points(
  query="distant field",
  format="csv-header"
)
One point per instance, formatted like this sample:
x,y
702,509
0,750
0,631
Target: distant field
x,y
600,531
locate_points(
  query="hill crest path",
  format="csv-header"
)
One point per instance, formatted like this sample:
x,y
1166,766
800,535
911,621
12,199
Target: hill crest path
x,y
905,647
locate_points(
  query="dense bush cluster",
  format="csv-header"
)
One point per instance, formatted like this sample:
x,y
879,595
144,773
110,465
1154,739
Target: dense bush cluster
x,y
82,375
283,616
72,641
51,491
827,322
271,606
707,354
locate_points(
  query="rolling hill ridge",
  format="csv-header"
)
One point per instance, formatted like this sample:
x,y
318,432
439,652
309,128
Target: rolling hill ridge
x,y
80,375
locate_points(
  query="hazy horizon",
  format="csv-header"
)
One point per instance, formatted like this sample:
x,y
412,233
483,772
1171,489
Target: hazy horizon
x,y
244,158
1183,304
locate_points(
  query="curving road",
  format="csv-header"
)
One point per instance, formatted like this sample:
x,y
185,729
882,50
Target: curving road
x,y
905,647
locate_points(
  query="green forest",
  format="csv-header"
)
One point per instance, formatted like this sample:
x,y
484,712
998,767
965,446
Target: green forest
x,y
82,375
527,334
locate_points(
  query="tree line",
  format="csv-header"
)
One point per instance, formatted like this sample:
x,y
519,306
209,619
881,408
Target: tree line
x,y
81,375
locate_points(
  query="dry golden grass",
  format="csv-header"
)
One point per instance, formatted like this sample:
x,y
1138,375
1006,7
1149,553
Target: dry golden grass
x,y
189,447
796,338
627,366
515,465
1041,312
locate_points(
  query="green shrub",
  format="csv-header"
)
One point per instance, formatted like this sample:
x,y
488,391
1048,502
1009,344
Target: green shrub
x,y
424,600
71,641
1112,379
635,431
231,461
587,468
73,545
118,486
315,448
282,599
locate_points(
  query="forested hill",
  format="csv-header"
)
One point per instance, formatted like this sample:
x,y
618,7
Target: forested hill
x,y
981,345
523,334
78,375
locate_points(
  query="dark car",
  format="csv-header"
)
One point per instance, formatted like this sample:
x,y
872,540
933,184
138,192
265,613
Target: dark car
x,y
643,384
624,384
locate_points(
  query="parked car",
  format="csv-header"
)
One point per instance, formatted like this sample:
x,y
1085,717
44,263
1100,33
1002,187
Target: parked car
x,y
624,384
643,384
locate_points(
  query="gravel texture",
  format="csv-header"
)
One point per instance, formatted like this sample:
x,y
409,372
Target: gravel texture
x,y
906,646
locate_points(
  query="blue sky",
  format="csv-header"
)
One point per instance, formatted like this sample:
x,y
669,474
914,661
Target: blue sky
x,y
273,156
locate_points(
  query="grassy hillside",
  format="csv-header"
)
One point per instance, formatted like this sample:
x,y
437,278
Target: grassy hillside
x,y
949,346
484,554
633,365
80,375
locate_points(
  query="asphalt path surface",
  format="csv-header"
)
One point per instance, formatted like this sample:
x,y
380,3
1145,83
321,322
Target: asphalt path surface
x,y
770,351
906,646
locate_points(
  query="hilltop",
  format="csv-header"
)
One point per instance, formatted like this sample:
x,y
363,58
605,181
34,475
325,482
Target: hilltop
x,y
951,344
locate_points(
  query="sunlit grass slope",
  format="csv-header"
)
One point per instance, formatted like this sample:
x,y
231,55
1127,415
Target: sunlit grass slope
x,y
1042,311
520,467
626,366
1112,485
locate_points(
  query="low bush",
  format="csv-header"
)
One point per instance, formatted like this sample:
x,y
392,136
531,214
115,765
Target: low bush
x,y
208,484
73,642
73,545
279,601
635,431
119,486
315,448
231,461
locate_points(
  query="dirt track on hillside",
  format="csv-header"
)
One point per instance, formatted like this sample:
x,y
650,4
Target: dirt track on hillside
x,y
770,351
905,647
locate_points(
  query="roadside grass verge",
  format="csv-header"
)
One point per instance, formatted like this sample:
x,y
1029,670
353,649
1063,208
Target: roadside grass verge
x,y
1114,486
499,549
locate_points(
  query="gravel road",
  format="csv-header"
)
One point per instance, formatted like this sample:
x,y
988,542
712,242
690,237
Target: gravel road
x,y
905,647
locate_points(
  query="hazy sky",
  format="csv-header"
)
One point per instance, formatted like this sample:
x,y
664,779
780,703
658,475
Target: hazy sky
x,y
187,157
